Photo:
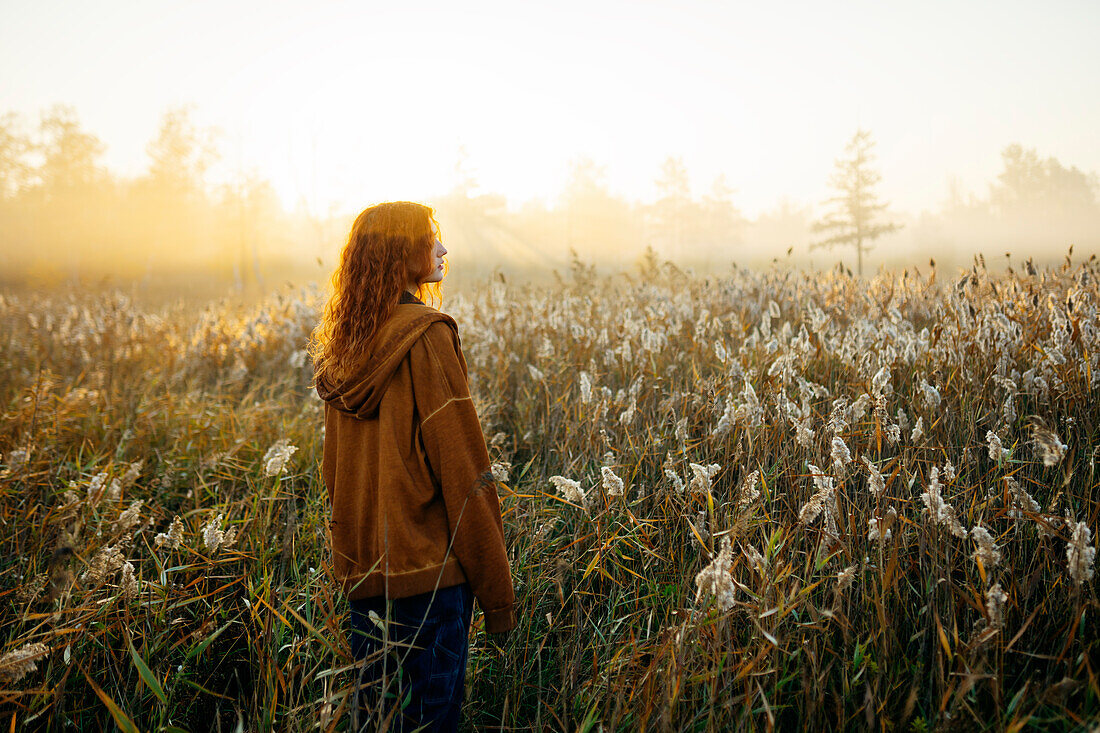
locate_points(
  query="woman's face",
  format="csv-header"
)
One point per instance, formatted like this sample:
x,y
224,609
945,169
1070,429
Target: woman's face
x,y
437,259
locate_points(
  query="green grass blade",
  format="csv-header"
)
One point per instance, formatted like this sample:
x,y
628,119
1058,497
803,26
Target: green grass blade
x,y
122,720
201,647
147,675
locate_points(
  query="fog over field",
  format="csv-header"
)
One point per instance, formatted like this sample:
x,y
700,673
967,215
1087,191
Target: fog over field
x,y
209,149
68,220
781,322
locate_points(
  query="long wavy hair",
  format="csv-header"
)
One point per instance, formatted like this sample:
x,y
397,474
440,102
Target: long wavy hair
x,y
390,245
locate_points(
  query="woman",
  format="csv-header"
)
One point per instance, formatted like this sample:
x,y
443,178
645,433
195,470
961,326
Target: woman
x,y
416,526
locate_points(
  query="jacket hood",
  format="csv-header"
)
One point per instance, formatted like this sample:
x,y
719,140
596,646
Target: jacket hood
x,y
361,393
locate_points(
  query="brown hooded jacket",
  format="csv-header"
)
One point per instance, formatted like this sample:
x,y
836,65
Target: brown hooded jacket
x,y
414,504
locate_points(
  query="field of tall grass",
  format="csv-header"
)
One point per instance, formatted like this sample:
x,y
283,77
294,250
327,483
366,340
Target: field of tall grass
x,y
749,500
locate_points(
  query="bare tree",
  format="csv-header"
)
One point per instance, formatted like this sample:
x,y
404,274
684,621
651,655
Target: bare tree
x,y
855,209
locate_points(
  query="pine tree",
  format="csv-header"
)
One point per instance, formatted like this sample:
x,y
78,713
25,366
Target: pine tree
x,y
855,209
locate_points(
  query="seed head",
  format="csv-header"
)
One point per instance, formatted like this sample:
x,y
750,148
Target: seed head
x,y
756,560
1047,444
845,578
17,664
586,388
930,394
859,408
748,493
132,473
1021,501
569,489
876,484
545,529
880,383
804,434
823,499
230,537
212,535
715,579
987,550
997,451
995,599
653,340
612,484
96,487
701,483
720,351
838,417
903,420
918,431
677,482
880,529
130,517
725,422
172,540
105,562
277,456
841,456
748,412
1080,554
501,470
939,511
129,584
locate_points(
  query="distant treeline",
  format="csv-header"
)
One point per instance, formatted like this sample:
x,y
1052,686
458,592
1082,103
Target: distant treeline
x,y
65,218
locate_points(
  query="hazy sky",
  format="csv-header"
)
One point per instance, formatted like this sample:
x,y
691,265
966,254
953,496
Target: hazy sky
x,y
355,102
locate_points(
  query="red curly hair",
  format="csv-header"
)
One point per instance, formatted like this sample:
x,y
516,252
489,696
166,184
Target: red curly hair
x,y
390,246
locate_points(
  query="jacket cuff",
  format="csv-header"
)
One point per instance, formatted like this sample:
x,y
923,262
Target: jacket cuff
x,y
500,619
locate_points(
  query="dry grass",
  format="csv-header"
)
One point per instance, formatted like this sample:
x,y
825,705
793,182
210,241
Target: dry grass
x,y
955,591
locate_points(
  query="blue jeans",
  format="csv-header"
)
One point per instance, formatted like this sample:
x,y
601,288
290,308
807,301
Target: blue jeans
x,y
413,659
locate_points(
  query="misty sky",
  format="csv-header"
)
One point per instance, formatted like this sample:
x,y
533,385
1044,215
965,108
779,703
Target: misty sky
x,y
351,103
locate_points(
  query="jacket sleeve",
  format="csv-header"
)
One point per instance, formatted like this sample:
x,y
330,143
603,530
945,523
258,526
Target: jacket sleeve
x,y
459,460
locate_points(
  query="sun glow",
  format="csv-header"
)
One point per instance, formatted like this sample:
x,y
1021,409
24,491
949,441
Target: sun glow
x,y
350,102
340,105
